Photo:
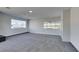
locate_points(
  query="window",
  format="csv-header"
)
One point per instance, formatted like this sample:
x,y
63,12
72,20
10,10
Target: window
x,y
18,24
52,25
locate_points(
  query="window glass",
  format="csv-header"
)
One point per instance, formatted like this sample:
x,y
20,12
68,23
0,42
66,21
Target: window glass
x,y
52,25
18,23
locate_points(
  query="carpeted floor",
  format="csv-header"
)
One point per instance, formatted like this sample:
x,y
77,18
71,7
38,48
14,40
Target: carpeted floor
x,y
30,42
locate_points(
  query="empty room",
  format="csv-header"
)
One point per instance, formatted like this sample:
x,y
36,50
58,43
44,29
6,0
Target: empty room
x,y
39,29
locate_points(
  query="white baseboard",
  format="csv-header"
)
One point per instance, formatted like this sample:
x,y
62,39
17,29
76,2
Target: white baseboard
x,y
44,33
74,46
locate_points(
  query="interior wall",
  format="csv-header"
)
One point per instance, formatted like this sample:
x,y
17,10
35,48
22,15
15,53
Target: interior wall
x,y
62,25
28,25
66,25
36,26
75,27
5,26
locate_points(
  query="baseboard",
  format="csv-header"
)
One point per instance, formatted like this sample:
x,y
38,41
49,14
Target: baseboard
x,y
65,40
73,46
18,34
44,33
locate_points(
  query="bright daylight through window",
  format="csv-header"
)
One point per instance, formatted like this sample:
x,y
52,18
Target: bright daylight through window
x,y
18,24
49,25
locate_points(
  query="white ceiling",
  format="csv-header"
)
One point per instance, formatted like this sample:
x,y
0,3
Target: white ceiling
x,y
38,12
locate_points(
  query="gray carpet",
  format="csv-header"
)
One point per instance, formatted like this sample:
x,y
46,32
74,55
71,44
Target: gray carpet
x,y
30,42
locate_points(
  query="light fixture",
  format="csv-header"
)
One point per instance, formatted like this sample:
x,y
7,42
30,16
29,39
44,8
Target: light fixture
x,y
30,11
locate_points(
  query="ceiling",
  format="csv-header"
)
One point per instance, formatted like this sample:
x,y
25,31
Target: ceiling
x,y
37,12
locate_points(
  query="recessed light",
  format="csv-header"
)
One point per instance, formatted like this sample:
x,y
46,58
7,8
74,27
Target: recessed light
x,y
30,11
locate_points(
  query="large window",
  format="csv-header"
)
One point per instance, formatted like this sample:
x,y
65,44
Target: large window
x,y
17,24
50,25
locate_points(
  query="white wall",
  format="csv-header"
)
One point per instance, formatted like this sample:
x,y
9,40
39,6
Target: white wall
x,y
75,27
36,26
66,25
5,26
28,29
